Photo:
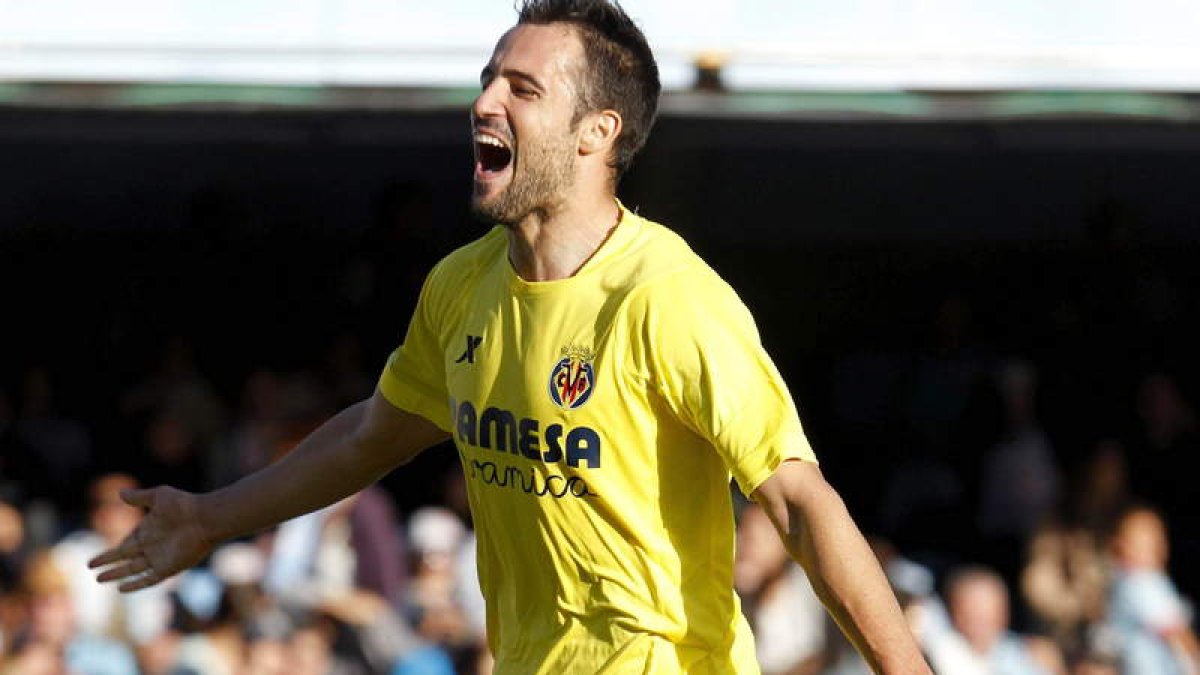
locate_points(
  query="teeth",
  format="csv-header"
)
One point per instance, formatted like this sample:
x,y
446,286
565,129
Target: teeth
x,y
489,140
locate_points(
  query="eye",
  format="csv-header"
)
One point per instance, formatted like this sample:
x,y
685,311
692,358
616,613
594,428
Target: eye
x,y
524,92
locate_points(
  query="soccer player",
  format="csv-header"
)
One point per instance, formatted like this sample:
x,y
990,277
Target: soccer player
x,y
601,384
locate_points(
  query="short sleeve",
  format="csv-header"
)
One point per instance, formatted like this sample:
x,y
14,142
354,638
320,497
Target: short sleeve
x,y
414,378
702,353
1154,602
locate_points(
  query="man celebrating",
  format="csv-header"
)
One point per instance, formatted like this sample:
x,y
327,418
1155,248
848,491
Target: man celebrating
x,y
601,384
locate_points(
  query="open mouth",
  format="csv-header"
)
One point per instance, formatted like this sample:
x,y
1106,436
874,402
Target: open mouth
x,y
491,154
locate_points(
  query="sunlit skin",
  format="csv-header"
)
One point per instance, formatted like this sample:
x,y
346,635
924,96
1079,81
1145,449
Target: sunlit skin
x,y
556,194
761,557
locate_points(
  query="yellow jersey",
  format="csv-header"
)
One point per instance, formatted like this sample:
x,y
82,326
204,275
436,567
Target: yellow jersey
x,y
599,419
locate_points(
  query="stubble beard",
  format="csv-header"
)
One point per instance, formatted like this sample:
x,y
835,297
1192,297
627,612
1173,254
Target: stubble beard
x,y
539,185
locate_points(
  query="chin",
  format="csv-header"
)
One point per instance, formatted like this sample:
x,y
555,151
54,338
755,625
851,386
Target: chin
x,y
485,212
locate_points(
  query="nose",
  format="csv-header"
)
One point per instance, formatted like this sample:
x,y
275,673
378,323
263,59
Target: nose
x,y
487,104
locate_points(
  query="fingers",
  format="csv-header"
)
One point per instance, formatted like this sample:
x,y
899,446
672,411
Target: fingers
x,y
126,550
127,564
136,566
139,498
138,583
131,545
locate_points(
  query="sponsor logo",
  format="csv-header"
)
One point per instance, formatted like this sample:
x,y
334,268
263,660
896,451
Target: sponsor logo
x,y
498,429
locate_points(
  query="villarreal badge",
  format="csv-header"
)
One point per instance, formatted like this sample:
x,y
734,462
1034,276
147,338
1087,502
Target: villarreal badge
x,y
573,378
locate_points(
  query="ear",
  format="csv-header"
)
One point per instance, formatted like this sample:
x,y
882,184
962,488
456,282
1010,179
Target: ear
x,y
599,131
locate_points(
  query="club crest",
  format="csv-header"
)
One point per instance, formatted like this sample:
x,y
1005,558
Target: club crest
x,y
573,378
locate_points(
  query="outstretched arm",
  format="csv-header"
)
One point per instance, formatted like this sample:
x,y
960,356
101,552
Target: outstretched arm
x,y
821,536
351,450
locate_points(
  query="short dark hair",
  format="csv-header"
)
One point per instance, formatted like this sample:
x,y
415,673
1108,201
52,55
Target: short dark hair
x,y
619,74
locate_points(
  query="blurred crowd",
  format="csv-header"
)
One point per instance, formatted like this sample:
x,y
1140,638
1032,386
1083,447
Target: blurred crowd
x,y
1061,571
1090,599
347,589
1032,513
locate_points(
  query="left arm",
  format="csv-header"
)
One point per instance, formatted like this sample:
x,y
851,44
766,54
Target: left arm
x,y
817,530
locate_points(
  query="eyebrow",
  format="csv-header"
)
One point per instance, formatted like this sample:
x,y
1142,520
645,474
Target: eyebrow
x,y
488,73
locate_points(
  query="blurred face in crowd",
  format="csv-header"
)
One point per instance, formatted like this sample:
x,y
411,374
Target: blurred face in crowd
x,y
12,529
760,554
1140,542
523,123
52,617
308,652
157,657
51,610
111,517
267,657
978,605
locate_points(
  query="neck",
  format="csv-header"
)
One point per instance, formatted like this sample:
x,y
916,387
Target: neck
x,y
551,245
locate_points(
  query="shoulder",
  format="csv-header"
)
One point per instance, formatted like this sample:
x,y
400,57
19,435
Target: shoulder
x,y
461,270
469,260
675,303
662,266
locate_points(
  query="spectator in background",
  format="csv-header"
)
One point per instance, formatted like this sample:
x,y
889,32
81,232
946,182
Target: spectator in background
x,y
12,561
13,547
255,433
436,539
916,589
352,547
276,410
100,609
913,584
1167,449
213,643
52,454
1101,491
380,564
468,596
311,559
50,641
784,612
171,453
265,655
980,642
310,650
1064,584
1019,482
1153,621
334,563
178,389
1096,664
1065,579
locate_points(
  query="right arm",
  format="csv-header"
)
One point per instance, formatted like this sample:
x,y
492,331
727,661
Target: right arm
x,y
350,451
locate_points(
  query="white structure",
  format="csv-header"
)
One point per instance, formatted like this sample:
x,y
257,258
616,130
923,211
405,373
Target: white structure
x,y
767,44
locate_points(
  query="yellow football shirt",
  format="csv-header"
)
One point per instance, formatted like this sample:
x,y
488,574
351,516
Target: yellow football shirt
x,y
598,419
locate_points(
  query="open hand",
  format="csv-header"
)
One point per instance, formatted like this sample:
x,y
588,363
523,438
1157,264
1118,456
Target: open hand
x,y
169,539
